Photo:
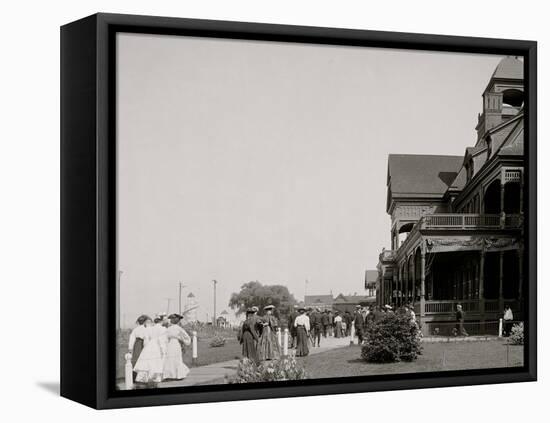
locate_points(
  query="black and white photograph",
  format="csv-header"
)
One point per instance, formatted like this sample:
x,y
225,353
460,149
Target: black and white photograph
x,y
298,211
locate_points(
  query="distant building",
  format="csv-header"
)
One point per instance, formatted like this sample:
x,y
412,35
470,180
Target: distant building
x,y
371,278
343,303
324,302
457,221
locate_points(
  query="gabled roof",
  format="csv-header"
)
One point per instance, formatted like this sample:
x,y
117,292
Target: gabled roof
x,y
351,299
513,145
421,175
509,68
318,299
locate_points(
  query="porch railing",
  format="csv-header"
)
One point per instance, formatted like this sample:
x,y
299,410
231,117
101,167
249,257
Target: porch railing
x,y
469,306
449,306
467,221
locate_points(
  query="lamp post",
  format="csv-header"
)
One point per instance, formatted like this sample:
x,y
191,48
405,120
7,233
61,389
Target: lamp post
x,y
181,286
214,318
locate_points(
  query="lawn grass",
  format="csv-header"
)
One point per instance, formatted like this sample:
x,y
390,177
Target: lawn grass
x,y
347,361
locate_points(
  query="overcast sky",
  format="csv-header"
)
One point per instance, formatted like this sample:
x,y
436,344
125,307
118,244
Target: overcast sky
x,y
242,160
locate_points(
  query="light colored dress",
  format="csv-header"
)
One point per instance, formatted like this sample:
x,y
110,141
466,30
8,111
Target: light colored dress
x,y
150,364
174,367
268,346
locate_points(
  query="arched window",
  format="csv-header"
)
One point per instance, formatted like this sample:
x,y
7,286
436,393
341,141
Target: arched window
x,y
512,98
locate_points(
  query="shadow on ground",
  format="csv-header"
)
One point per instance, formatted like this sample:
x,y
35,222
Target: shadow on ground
x,y
51,387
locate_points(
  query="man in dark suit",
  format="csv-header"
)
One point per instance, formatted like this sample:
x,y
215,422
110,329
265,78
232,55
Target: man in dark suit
x,y
359,323
348,319
291,328
315,322
325,322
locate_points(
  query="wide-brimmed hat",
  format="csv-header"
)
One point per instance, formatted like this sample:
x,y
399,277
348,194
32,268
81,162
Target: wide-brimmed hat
x,y
301,309
389,307
175,316
357,306
269,307
254,309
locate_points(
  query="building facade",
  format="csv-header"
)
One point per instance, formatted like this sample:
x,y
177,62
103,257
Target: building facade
x,y
457,222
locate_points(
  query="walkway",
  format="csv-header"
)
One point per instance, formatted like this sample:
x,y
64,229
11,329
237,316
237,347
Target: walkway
x,y
217,372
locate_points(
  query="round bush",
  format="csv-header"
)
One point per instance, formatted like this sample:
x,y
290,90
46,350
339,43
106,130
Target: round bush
x,y
391,337
516,334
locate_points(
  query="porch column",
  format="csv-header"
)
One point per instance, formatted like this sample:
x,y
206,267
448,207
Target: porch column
x,y
413,279
481,287
520,274
422,282
502,214
500,283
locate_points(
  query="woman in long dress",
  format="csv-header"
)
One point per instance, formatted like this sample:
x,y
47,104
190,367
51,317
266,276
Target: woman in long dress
x,y
268,347
137,340
174,367
249,336
150,365
301,323
338,330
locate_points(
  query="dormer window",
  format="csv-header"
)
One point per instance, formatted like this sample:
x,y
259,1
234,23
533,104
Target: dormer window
x,y
469,169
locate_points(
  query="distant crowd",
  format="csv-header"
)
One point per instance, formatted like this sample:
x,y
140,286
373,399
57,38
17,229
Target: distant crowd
x,y
307,327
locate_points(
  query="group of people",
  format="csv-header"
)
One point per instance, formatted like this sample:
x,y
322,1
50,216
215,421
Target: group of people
x,y
156,348
258,335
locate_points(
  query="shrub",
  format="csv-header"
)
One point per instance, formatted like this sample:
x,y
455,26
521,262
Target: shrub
x,y
217,341
516,334
269,371
392,337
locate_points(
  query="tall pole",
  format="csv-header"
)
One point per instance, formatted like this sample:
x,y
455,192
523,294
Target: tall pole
x,y
181,286
214,318
118,323
305,290
168,300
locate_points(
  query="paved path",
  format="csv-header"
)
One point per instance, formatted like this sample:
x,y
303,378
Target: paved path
x,y
217,372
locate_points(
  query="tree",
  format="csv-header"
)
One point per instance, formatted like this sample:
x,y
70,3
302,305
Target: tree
x,y
255,294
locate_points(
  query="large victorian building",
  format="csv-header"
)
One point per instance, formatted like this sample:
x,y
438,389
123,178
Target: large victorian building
x,y
457,221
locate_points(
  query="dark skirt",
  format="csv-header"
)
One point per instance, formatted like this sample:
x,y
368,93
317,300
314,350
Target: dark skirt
x,y
301,345
338,333
249,347
136,351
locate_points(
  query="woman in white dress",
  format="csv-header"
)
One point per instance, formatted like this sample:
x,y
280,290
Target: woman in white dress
x,y
136,343
150,364
174,367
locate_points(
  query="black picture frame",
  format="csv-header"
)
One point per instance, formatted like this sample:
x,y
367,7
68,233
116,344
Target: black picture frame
x,y
88,270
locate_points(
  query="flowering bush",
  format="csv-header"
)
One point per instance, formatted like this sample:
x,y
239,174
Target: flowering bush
x,y
269,371
516,334
217,341
392,337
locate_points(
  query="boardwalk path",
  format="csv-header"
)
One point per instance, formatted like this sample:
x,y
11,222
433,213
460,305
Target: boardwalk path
x,y
215,373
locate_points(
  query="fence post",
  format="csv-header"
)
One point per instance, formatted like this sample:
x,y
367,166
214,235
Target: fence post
x,y
352,333
500,327
195,349
279,337
285,343
128,372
